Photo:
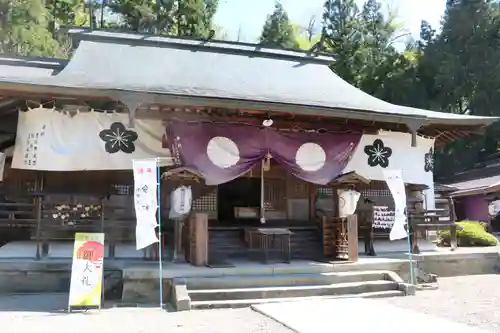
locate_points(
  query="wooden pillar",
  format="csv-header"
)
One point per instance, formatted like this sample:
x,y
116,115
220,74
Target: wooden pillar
x,y
418,209
198,242
313,189
38,203
101,203
352,237
179,255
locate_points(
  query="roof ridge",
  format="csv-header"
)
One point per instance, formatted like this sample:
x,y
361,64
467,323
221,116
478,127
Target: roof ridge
x,y
239,48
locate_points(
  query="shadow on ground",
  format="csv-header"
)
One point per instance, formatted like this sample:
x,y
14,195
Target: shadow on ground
x,y
55,303
34,303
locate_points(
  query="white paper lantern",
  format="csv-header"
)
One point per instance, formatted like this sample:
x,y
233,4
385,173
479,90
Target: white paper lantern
x,y
348,200
180,201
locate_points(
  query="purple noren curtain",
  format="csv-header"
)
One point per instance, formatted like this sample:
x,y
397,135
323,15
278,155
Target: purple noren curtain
x,y
223,152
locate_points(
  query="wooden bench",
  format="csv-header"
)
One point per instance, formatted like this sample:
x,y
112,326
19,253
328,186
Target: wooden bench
x,y
115,222
431,220
14,214
54,232
120,226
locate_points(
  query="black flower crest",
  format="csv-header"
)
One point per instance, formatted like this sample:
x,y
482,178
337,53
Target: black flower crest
x,y
378,154
429,161
118,138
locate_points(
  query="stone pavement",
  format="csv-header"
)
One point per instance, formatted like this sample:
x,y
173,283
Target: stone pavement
x,y
46,314
357,315
472,300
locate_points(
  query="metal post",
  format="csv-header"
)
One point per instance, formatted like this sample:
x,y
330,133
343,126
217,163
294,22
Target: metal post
x,y
160,244
262,193
410,254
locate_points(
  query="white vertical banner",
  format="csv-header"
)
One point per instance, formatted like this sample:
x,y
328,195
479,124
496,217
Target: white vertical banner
x,y
145,201
394,180
144,237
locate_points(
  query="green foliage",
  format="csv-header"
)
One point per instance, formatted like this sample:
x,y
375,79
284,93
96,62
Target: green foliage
x,y
278,31
463,60
137,15
455,70
362,42
193,18
29,27
24,29
473,234
62,12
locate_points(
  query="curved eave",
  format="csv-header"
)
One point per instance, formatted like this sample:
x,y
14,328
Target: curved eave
x,y
23,88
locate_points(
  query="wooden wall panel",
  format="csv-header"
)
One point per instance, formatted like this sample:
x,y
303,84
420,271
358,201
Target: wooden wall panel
x,y
274,195
296,188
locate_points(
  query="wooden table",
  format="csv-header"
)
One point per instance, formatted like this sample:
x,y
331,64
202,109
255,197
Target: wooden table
x,y
266,239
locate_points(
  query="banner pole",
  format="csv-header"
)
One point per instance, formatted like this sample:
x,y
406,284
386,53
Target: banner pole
x,y
410,256
160,242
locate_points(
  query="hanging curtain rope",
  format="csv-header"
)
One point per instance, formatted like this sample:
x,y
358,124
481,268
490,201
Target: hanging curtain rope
x,y
265,160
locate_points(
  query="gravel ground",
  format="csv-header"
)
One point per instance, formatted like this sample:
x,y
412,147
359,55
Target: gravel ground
x,y
473,300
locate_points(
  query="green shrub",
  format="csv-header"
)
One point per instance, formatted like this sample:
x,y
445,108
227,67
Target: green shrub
x,y
473,234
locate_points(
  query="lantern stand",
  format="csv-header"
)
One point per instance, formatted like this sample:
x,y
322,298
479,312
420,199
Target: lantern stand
x,y
180,175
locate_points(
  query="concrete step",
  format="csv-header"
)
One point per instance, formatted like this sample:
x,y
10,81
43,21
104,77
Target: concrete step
x,y
283,280
248,302
292,291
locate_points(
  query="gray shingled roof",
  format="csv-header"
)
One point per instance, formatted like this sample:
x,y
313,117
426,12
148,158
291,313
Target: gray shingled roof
x,y
476,183
19,67
476,186
247,74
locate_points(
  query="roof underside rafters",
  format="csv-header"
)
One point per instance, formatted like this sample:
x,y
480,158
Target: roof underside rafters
x,y
282,120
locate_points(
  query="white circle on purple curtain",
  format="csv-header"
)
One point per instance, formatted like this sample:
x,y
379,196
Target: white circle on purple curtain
x,y
310,157
223,152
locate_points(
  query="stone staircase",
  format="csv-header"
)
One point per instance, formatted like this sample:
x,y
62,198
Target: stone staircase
x,y
224,244
245,290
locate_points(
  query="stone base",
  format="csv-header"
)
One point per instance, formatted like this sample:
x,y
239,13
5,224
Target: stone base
x,y
141,283
146,291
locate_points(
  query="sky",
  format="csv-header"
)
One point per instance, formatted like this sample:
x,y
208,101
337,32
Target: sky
x,y
248,16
